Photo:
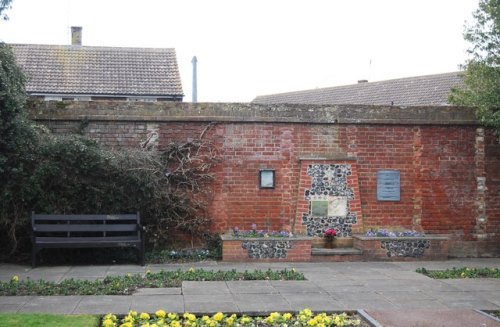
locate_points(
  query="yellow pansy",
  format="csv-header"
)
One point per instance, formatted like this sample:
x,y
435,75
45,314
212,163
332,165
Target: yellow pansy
x,y
128,318
110,316
175,323
218,316
144,316
245,320
14,279
108,323
287,316
172,316
307,312
160,314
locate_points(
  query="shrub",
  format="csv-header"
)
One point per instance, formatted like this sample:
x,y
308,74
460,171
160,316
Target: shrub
x,y
75,175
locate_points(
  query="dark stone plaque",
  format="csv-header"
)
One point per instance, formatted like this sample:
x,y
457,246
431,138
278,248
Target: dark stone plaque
x,y
388,185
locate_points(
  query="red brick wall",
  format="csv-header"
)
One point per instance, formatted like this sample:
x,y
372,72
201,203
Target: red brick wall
x,y
439,166
492,170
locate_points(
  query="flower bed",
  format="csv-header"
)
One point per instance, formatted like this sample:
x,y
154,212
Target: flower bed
x,y
128,284
392,247
304,318
464,272
266,248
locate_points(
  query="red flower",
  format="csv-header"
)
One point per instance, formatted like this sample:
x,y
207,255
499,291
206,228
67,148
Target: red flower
x,y
330,233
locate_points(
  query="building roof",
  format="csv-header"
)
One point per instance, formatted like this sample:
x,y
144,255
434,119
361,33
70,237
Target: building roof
x,y
101,71
411,91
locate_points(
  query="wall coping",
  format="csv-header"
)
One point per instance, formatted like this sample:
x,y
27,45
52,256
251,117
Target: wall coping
x,y
226,237
328,158
101,110
425,237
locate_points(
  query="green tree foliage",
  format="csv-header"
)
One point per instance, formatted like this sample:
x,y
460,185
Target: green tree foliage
x,y
17,147
4,5
482,71
72,174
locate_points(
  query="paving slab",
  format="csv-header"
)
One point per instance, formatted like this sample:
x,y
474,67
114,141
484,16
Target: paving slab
x,y
199,288
259,303
475,284
117,304
251,286
158,291
361,303
355,296
493,297
313,301
51,304
401,295
409,304
330,286
152,303
296,287
210,303
13,303
431,318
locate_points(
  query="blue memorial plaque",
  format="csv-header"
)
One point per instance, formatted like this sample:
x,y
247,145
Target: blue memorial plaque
x,y
388,185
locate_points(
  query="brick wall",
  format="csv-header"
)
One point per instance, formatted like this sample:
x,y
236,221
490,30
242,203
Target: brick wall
x,y
448,166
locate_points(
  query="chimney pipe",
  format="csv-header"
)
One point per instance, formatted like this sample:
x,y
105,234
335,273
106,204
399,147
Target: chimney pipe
x,y
194,61
76,35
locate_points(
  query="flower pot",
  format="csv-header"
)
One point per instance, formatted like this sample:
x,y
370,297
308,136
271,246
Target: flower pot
x,y
329,243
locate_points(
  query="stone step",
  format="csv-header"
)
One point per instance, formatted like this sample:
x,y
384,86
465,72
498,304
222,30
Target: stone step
x,y
335,251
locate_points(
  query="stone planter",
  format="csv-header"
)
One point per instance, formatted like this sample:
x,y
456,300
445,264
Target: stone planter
x,y
430,247
338,242
266,249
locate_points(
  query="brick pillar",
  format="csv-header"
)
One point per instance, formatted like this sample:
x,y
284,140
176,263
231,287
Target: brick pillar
x,y
479,230
417,171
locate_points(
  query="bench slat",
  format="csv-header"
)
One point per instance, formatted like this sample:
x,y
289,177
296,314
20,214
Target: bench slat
x,y
83,240
86,228
85,217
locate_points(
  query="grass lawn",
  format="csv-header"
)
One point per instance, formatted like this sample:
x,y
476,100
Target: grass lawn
x,y
42,320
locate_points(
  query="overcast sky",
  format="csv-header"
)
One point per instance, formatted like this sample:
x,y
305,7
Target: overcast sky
x,y
247,48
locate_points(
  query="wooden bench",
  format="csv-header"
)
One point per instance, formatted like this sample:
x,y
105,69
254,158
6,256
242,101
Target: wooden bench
x,y
87,231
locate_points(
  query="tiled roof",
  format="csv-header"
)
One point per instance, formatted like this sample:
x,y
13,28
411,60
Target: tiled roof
x,y
69,69
410,91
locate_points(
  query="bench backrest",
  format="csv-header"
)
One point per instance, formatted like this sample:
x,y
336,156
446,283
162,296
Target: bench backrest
x,y
85,225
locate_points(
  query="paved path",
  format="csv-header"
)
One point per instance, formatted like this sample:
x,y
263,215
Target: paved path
x,y
376,287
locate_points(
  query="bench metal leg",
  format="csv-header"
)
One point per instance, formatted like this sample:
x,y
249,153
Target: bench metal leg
x,y
140,252
33,257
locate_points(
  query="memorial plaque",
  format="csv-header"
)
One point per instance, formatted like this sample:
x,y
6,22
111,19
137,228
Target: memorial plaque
x,y
337,206
266,178
319,208
388,185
